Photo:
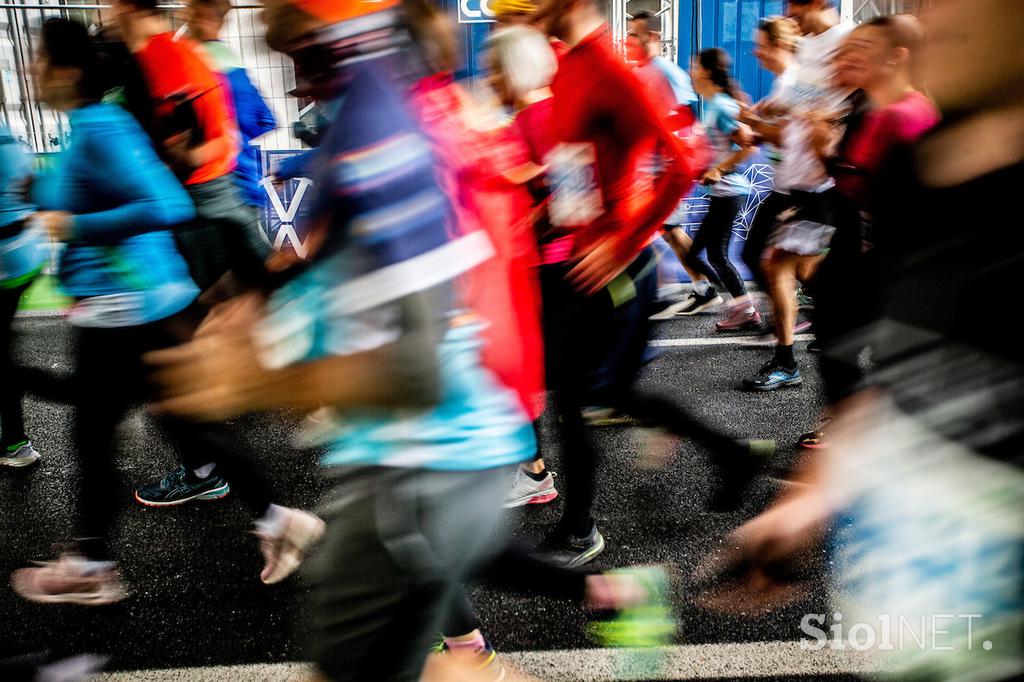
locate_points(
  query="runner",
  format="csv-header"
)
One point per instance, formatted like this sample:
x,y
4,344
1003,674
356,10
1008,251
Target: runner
x,y
23,253
193,128
925,467
522,66
424,437
775,41
205,21
732,142
803,232
671,91
605,126
132,294
881,58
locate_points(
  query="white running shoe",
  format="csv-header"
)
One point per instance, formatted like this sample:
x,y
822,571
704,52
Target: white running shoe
x,y
22,457
525,490
285,551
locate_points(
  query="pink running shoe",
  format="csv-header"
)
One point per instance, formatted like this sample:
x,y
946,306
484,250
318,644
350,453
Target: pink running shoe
x,y
71,579
740,320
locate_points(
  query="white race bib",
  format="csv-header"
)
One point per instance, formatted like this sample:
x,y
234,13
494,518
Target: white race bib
x,y
573,178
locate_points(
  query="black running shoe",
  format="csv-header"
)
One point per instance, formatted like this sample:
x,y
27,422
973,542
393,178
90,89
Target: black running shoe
x,y
181,486
773,376
570,551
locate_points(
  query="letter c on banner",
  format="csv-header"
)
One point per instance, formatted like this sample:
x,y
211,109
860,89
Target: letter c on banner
x,y
471,13
485,7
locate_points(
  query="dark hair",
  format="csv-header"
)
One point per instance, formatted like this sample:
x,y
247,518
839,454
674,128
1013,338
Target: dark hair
x,y
219,7
718,64
643,15
67,44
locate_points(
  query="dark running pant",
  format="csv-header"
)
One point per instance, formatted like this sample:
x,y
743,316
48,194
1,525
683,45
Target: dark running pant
x,y
223,237
399,545
591,327
713,236
515,569
110,379
847,301
760,232
12,418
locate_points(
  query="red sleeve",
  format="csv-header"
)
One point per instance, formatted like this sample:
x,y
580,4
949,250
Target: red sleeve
x,y
642,122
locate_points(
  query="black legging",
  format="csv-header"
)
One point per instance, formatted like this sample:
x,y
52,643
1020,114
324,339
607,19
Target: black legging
x,y
714,235
760,232
515,569
110,378
592,325
12,418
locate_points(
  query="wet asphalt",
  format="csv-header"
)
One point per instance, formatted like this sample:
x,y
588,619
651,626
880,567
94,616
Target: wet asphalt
x,y
196,597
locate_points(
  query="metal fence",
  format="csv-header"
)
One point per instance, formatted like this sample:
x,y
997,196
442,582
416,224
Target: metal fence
x,y
45,130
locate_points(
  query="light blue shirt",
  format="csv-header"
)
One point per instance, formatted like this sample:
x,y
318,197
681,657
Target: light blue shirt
x,y
23,255
721,119
678,79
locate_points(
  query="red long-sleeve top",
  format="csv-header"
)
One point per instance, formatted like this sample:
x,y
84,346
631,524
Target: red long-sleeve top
x,y
605,124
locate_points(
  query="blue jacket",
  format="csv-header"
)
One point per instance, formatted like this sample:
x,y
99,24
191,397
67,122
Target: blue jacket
x,y
253,116
124,201
22,256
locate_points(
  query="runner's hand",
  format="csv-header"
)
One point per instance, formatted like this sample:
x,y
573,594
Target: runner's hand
x,y
57,224
599,267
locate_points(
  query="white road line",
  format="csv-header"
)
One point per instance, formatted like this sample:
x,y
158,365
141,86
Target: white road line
x,y
685,662
718,341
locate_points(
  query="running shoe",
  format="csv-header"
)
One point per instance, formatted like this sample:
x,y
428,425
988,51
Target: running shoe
x,y
487,661
181,486
803,301
524,490
813,440
606,416
740,320
71,579
570,551
772,376
801,326
646,622
285,551
20,455
691,305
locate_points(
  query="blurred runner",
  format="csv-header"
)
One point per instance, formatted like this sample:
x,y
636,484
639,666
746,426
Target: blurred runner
x,y
423,437
605,125
732,142
921,491
24,251
132,294
485,168
775,44
206,20
803,231
194,129
671,92
882,58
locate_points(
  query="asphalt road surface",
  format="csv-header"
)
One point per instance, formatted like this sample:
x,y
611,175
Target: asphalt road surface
x,y
197,601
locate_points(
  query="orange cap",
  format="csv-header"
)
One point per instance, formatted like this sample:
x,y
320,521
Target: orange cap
x,y
333,11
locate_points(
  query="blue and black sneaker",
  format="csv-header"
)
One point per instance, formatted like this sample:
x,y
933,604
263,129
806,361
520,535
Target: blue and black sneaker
x,y
181,486
772,375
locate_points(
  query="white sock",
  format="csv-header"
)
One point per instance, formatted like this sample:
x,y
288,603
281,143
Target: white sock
x,y
701,286
273,520
204,471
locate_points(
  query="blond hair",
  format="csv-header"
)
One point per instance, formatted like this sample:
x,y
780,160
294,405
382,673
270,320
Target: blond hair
x,y
782,32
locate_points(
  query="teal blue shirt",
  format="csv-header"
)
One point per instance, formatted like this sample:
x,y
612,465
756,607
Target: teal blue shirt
x,y
121,261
